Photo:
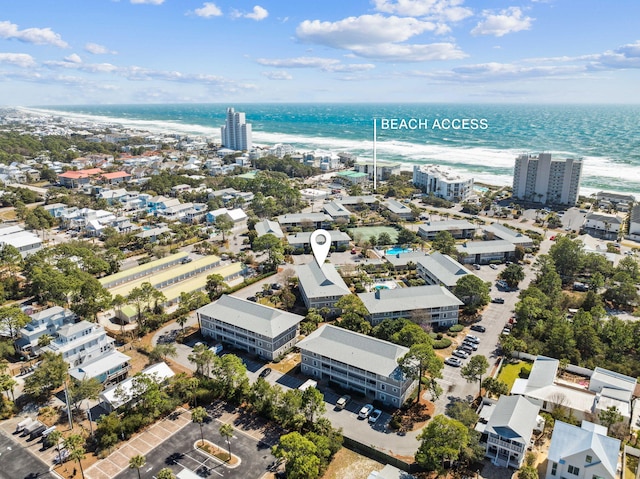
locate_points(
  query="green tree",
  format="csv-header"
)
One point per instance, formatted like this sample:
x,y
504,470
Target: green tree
x,y
54,437
163,351
274,248
7,384
203,358
214,286
495,387
83,389
462,411
445,243
568,256
226,431
384,239
12,318
48,376
610,416
473,292
136,462
509,344
165,473
74,444
406,237
300,454
419,360
199,416
512,275
224,224
442,440
90,298
475,369
313,404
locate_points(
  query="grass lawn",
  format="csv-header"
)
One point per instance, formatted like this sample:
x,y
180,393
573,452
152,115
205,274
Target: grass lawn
x,y
511,371
631,464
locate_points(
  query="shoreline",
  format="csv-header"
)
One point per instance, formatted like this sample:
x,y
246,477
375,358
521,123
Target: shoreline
x,y
405,153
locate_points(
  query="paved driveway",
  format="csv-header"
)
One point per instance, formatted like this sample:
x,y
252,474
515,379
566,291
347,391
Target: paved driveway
x,y
18,462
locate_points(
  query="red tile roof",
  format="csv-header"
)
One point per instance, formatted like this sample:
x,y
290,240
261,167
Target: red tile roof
x,y
115,175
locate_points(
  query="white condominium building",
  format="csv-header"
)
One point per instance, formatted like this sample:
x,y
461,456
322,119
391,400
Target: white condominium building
x,y
539,179
236,133
442,182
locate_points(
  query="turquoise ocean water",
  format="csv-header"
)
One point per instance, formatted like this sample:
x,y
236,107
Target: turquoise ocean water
x,y
607,137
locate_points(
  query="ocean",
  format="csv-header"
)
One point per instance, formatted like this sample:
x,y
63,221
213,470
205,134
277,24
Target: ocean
x,y
484,143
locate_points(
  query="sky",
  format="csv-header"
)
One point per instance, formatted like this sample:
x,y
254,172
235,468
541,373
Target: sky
x,y
68,52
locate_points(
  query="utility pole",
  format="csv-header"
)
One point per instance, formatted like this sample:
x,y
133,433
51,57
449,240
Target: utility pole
x,y
375,156
66,400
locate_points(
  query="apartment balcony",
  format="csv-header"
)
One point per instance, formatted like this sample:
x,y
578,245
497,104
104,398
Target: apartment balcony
x,y
512,446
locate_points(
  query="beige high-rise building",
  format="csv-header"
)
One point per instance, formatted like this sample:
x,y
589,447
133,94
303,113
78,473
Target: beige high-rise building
x,y
540,179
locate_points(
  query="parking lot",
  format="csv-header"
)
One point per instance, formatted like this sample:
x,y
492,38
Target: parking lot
x,y
17,459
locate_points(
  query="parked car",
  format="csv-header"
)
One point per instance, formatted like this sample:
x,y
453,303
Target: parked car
x,y
476,266
187,260
374,416
466,347
265,372
506,332
276,286
497,300
493,266
472,345
253,299
472,338
455,362
365,411
460,353
478,327
342,402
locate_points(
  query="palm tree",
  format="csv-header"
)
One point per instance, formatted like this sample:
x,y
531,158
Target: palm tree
x,y
76,451
198,415
117,302
54,437
226,431
165,473
136,462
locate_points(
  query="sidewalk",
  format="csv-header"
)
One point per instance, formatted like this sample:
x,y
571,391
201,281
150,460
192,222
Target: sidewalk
x,y
141,443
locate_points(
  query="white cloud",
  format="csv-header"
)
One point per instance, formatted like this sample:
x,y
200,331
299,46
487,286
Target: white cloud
x,y
325,64
278,75
626,56
258,13
208,10
442,10
37,36
73,58
97,49
148,2
21,60
379,37
509,20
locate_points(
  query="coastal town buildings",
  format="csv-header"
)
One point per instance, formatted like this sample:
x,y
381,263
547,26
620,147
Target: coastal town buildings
x,y
357,362
541,179
321,287
236,132
258,329
442,182
440,269
459,229
603,225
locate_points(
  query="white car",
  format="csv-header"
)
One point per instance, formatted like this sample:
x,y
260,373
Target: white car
x,y
375,415
493,266
365,411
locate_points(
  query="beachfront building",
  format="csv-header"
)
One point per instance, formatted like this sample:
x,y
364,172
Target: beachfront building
x,y
614,201
321,287
602,225
634,223
583,452
236,132
357,362
432,304
509,429
384,169
258,329
440,269
442,182
47,321
540,179
459,229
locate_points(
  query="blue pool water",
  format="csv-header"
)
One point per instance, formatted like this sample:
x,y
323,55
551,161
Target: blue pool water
x,y
397,250
381,286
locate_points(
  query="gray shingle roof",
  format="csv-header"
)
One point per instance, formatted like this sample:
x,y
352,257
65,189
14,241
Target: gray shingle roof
x,y
514,418
408,299
364,352
254,317
446,225
446,269
321,282
486,247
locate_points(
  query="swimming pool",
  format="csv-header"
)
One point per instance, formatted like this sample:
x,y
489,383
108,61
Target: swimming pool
x,y
397,250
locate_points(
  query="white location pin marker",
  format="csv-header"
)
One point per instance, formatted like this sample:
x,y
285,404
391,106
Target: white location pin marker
x,y
320,245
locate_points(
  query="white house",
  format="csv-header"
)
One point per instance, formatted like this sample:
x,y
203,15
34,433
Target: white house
x,y
602,225
584,452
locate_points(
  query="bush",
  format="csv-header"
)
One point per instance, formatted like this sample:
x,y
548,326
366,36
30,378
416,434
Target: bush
x,y
456,328
442,343
525,371
395,423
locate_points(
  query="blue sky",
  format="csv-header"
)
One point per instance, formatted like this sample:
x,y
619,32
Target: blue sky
x,y
175,51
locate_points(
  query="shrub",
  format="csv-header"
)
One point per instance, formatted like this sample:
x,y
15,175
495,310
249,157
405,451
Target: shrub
x,y
456,328
525,371
442,343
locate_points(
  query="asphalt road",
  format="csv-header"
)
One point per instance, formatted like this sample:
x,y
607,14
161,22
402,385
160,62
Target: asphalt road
x,y
19,463
178,453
